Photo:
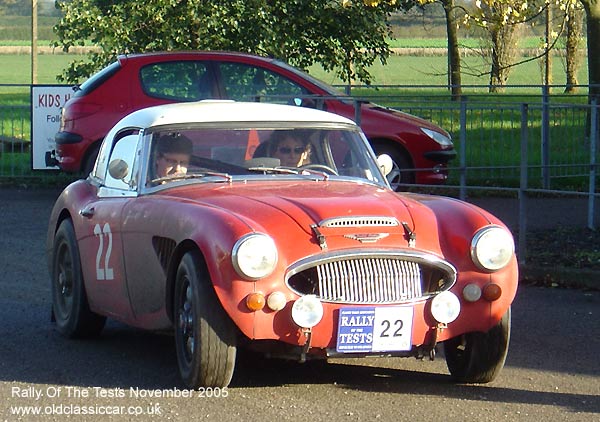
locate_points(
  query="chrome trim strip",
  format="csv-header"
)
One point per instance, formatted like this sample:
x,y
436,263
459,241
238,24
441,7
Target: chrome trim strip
x,y
360,221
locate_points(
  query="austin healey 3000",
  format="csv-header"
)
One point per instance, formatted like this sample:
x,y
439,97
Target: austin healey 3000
x,y
273,228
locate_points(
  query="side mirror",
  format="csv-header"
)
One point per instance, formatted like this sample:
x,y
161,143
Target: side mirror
x,y
118,169
386,164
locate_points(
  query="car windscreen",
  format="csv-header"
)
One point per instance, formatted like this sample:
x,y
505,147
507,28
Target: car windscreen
x,y
327,152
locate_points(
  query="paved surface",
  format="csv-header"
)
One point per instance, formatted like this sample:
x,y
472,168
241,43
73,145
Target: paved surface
x,y
541,213
552,371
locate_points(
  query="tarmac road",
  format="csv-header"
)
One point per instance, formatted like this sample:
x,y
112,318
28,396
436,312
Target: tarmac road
x,y
552,371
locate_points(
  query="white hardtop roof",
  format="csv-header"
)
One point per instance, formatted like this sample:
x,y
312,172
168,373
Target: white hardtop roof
x,y
220,111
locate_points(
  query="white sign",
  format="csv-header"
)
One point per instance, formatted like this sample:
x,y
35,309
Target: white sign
x,y
46,103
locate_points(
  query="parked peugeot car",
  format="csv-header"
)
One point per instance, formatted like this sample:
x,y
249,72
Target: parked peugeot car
x,y
420,150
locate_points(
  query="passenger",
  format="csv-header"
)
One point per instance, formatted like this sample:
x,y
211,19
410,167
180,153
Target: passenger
x,y
291,151
173,154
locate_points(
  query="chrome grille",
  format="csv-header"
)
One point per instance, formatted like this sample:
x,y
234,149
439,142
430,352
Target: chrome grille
x,y
376,280
360,221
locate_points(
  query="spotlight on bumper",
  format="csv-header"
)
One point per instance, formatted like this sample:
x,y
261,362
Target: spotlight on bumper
x,y
307,311
445,307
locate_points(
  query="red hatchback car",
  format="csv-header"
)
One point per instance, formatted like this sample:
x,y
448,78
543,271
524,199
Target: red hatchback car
x,y
420,150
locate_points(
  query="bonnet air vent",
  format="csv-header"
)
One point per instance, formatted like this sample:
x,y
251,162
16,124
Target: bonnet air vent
x,y
365,221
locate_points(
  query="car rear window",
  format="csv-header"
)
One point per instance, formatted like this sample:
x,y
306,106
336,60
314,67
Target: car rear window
x,y
98,79
177,81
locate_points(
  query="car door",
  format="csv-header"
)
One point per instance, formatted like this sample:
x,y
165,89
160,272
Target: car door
x,y
102,246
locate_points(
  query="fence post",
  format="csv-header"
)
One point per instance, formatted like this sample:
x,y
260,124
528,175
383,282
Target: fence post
x,y
524,168
545,152
463,148
593,143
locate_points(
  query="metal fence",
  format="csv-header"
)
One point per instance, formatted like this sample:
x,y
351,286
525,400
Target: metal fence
x,y
536,145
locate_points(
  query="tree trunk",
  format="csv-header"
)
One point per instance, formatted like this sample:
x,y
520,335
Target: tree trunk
x,y
453,50
592,11
574,29
502,55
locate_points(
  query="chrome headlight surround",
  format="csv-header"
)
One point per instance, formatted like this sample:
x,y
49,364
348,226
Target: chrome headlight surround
x,y
492,248
254,256
440,138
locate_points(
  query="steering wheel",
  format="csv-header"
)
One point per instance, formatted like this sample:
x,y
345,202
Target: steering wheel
x,y
321,167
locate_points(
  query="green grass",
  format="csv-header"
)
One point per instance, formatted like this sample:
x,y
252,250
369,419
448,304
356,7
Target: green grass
x,y
432,70
493,130
16,68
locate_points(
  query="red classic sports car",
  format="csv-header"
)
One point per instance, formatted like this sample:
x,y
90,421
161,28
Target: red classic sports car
x,y
273,228
420,150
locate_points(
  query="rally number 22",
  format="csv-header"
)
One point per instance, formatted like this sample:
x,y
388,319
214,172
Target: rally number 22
x,y
398,324
103,271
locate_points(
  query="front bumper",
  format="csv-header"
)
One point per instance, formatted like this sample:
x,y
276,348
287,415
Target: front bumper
x,y
441,156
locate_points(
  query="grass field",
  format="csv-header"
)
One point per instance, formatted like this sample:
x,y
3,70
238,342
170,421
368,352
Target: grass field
x,y
400,70
493,131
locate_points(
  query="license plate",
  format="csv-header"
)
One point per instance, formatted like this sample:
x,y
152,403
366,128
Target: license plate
x,y
374,329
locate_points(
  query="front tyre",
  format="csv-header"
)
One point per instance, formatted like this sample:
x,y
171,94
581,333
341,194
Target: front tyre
x,y
69,299
205,337
479,357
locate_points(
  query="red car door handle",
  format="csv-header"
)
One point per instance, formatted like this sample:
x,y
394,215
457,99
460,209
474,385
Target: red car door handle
x,y
87,212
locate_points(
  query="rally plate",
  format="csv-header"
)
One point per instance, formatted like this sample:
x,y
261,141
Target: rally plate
x,y
374,329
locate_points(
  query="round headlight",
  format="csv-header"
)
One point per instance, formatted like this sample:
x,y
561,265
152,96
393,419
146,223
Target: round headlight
x,y
445,307
492,248
307,311
254,256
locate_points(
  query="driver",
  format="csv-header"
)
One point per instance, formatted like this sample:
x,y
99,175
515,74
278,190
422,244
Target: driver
x,y
173,154
291,151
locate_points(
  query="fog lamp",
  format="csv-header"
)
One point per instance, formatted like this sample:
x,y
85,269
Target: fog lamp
x,y
255,301
445,307
307,311
276,301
